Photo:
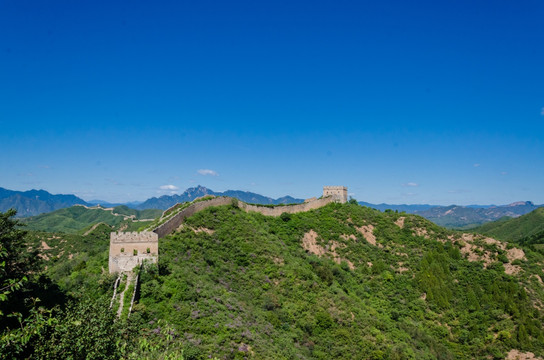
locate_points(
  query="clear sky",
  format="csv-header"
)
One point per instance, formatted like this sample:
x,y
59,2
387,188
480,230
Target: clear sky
x,y
436,102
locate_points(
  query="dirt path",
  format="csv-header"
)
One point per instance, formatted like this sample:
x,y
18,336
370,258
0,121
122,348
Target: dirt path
x,y
92,228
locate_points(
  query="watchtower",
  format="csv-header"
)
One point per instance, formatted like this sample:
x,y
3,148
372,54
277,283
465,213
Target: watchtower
x,y
130,249
339,193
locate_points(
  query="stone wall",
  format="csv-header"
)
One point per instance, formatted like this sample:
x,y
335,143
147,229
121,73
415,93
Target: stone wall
x,y
172,224
124,246
129,249
339,193
290,209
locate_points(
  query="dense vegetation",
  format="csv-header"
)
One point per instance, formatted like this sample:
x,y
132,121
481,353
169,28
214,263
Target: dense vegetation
x,y
237,285
528,228
79,219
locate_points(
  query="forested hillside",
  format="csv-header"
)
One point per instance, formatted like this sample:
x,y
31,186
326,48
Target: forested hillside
x,y
343,281
515,229
78,219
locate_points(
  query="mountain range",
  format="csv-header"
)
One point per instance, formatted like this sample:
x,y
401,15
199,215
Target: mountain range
x,y
166,201
526,229
461,217
35,202
464,217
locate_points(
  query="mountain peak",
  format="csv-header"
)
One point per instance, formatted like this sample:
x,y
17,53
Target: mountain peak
x,y
521,203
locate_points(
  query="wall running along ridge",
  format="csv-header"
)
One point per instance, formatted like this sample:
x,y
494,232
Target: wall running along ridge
x,y
290,209
173,223
130,241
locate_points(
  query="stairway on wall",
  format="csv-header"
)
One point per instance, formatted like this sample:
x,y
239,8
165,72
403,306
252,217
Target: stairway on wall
x,y
131,279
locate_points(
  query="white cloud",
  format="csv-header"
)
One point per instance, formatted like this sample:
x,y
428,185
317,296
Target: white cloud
x,y
542,112
504,173
411,184
168,187
207,172
476,165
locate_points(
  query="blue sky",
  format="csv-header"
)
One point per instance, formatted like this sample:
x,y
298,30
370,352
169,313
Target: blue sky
x,y
403,102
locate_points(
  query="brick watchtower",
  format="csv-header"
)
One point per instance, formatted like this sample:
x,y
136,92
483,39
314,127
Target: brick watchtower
x,y
339,193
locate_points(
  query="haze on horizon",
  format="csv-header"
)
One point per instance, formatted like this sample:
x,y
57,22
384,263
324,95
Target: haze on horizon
x,y
419,102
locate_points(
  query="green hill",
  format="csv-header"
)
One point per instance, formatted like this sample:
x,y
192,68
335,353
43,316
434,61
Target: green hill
x,y
343,282
518,229
77,219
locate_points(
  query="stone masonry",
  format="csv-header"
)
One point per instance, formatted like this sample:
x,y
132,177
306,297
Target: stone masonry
x,y
130,249
339,193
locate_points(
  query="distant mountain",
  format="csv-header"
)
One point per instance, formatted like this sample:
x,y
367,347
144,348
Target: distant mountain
x,y
166,201
105,203
34,202
466,217
527,228
461,217
410,209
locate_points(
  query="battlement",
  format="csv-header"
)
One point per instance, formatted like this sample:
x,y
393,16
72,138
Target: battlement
x,y
133,237
339,193
130,249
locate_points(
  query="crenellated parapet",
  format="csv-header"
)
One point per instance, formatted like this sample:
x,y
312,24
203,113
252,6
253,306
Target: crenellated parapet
x,y
339,193
130,249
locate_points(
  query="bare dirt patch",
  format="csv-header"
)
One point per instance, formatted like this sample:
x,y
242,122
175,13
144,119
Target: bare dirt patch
x,y
368,232
518,355
421,232
515,254
309,243
45,246
205,230
401,268
538,278
475,252
349,237
400,222
511,269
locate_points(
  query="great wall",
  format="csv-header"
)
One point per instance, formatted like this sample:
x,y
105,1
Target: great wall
x,y
129,250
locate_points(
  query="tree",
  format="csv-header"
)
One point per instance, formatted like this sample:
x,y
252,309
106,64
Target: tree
x,y
15,262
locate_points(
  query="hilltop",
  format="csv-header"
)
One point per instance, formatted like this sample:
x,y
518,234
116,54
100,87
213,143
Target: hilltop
x,y
527,228
80,218
342,281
